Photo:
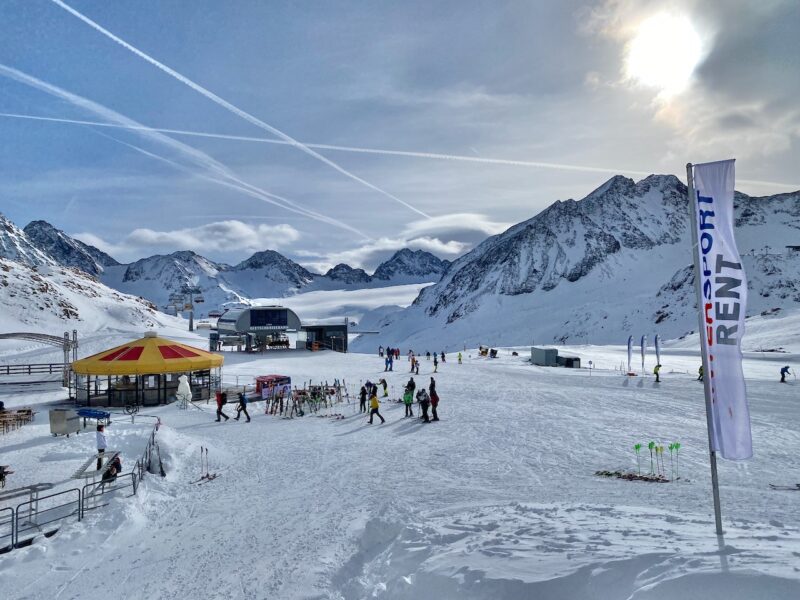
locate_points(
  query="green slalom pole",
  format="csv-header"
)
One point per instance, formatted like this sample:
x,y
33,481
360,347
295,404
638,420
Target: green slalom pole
x,y
636,448
650,447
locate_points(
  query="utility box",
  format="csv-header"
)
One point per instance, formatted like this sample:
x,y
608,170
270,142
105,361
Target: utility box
x,y
64,421
544,357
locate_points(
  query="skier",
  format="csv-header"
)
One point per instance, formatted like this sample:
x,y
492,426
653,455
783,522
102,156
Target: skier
x,y
380,351
408,399
411,385
416,369
700,373
242,408
391,362
443,360
434,399
410,354
459,358
374,405
385,387
424,402
784,373
413,362
656,370
101,444
362,397
435,363
397,353
222,399
428,355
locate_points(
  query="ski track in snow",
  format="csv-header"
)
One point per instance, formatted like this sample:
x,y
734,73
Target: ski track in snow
x,y
498,500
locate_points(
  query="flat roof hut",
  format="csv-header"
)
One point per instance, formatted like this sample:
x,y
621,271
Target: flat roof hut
x,y
144,372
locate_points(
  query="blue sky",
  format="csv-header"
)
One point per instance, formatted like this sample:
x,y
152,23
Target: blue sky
x,y
528,81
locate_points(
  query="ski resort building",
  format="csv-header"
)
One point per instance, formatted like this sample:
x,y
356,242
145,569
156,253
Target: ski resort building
x,y
256,328
144,372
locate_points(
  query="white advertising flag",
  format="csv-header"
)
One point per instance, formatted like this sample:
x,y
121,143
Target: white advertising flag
x,y
722,304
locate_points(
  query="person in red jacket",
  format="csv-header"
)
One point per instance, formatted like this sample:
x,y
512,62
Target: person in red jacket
x,y
222,399
434,399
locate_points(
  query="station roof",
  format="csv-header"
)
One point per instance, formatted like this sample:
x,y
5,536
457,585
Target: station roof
x,y
149,355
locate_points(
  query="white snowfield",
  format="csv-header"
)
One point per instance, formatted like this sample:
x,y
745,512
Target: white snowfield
x,y
497,500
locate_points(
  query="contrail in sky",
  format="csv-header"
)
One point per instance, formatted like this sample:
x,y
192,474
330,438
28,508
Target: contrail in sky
x,y
230,107
211,169
384,152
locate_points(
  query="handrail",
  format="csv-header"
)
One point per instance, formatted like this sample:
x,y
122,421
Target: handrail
x,y
10,534
38,524
105,488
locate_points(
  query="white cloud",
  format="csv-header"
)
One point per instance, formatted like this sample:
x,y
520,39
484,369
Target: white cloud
x,y
221,236
457,222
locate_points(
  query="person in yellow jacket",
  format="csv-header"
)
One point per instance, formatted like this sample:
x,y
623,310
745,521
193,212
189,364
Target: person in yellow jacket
x,y
459,358
656,371
373,408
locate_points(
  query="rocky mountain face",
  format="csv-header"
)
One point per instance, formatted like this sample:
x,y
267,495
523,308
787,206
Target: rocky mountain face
x,y
67,251
615,263
411,265
348,275
266,274
15,245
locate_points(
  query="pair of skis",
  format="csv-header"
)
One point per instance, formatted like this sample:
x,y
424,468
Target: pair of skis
x,y
205,475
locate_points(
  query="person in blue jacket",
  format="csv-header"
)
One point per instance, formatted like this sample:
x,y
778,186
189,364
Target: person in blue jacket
x,y
242,408
784,373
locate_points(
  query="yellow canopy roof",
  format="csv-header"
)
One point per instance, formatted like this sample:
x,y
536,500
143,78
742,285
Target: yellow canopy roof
x,y
149,355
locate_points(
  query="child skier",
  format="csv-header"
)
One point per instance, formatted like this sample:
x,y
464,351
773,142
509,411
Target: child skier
x,y
656,371
374,405
385,387
408,399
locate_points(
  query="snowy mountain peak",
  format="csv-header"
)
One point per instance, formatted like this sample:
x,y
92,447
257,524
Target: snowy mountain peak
x,y
66,250
347,274
16,245
411,264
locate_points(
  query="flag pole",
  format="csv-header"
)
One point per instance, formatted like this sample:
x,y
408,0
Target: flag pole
x,y
703,353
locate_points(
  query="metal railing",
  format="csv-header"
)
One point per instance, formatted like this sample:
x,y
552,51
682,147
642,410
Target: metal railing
x,y
6,525
34,520
50,368
29,519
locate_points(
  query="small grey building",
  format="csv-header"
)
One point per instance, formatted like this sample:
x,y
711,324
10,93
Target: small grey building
x,y
544,357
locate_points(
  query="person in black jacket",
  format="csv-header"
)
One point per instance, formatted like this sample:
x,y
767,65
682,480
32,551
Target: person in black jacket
x,y
424,403
362,397
411,385
242,408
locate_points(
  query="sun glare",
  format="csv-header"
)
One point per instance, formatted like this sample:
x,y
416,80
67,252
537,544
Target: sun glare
x,y
664,53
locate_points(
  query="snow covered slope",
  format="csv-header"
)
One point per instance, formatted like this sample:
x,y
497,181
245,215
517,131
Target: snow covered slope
x,y
67,251
16,246
52,299
614,263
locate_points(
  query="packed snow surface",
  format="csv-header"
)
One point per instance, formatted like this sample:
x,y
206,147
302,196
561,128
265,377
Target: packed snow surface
x,y
497,500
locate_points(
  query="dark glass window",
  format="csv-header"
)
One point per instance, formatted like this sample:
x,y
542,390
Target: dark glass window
x,y
264,318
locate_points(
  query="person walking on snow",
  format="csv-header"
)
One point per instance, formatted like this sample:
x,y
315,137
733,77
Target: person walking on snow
x,y
424,403
101,444
242,408
443,360
656,371
362,397
459,358
222,399
374,405
434,399
784,373
408,399
413,360
416,368
435,363
385,387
